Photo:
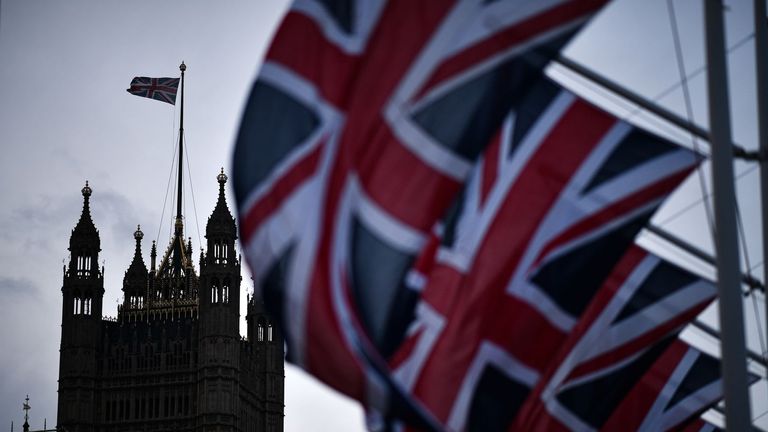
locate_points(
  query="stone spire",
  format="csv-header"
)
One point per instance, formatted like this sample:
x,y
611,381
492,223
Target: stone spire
x,y
84,243
85,230
221,220
135,279
137,267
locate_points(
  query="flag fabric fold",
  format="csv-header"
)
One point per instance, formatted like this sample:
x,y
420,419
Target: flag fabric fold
x,y
162,89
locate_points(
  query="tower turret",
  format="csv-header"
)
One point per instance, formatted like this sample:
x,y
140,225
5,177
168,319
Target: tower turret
x,y
135,279
82,291
219,319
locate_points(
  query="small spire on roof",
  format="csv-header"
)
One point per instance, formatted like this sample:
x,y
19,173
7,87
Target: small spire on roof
x,y
86,190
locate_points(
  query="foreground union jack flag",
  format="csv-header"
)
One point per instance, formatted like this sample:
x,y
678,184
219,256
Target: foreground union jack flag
x,y
162,89
545,218
365,122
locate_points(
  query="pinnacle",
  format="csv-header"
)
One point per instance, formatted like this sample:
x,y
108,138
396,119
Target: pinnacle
x,y
221,220
85,229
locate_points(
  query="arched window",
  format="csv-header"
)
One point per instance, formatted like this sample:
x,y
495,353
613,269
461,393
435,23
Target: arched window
x,y
225,291
215,293
269,333
260,330
77,306
83,264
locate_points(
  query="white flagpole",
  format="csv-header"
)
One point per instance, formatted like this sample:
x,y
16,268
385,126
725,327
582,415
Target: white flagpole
x,y
732,345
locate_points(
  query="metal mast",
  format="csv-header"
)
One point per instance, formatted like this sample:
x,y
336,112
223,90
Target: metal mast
x,y
183,68
734,361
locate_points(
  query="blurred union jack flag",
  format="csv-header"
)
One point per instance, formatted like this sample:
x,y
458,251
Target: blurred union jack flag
x,y
365,122
543,221
162,89
366,118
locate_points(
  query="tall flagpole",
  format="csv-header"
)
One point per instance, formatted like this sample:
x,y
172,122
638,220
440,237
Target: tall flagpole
x,y
732,341
761,64
179,225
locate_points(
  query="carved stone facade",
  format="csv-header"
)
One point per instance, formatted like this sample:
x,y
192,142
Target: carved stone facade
x,y
173,359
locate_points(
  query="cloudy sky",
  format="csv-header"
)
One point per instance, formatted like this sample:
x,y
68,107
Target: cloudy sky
x,y
65,118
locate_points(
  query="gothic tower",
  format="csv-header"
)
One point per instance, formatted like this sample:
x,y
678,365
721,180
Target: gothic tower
x,y
219,349
135,281
172,358
267,345
83,291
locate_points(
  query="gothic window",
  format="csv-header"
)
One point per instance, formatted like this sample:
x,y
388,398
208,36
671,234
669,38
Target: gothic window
x,y
87,306
225,291
220,252
269,333
83,264
260,329
215,293
77,306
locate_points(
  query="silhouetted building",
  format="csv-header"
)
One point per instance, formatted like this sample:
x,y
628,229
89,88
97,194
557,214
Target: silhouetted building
x,y
173,358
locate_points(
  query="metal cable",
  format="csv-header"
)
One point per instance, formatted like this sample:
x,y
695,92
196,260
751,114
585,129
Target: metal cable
x,y
689,113
192,191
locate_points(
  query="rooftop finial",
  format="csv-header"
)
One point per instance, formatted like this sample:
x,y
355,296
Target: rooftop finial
x,y
222,178
87,190
26,408
138,235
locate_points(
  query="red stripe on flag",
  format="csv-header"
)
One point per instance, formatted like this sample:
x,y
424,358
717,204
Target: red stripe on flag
x,y
301,46
517,34
631,412
403,185
632,202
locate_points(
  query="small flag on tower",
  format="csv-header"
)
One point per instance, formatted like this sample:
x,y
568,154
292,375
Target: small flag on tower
x,y
162,89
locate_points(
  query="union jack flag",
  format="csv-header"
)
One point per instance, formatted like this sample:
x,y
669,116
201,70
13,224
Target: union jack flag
x,y
162,89
642,302
365,120
682,383
545,218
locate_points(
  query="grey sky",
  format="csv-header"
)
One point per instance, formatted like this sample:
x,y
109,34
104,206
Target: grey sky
x,y
65,117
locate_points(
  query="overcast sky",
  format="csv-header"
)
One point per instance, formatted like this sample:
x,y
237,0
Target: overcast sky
x,y
65,118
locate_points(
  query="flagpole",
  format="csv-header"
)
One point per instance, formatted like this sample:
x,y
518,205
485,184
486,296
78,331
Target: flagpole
x,y
648,105
732,341
761,65
179,225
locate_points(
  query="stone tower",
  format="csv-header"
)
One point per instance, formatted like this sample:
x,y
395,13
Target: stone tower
x,y
173,357
219,346
83,291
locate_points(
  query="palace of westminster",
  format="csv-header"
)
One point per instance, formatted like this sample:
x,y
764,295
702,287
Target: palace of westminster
x,y
173,358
